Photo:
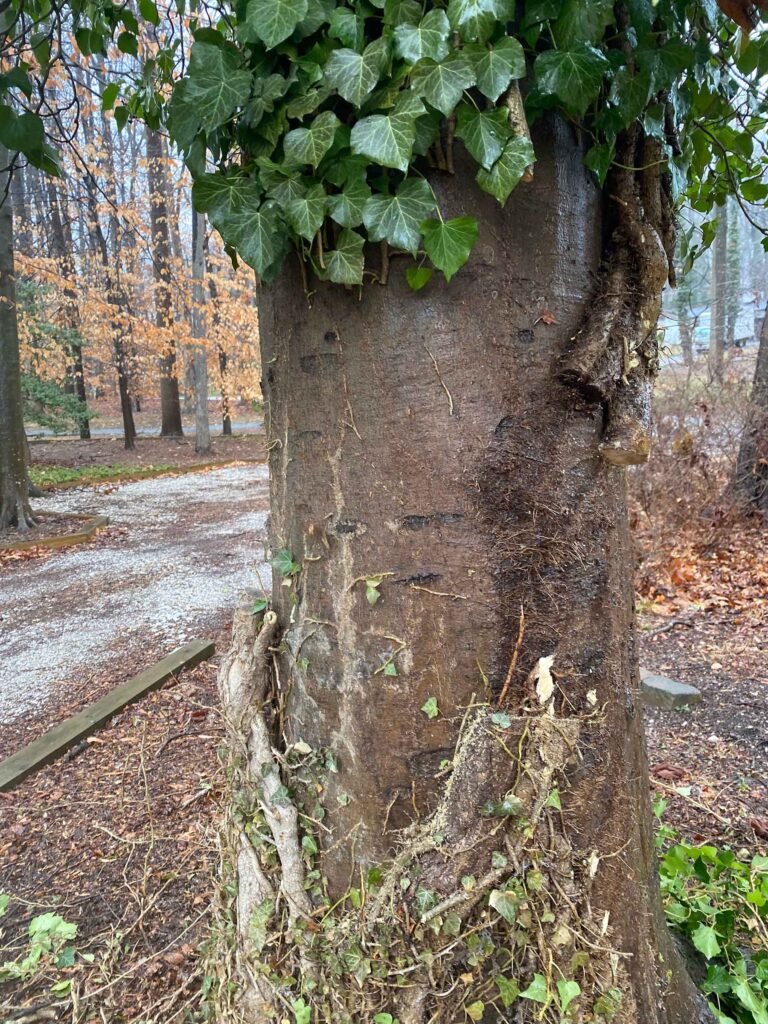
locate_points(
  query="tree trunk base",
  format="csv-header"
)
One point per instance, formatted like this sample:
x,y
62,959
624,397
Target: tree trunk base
x,y
484,911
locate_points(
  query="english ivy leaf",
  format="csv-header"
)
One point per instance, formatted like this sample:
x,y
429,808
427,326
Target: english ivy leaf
x,y
630,91
274,20
309,145
448,243
348,27
443,84
430,708
222,196
259,237
496,67
537,990
509,990
346,208
401,12
284,564
585,21
397,217
306,213
599,159
388,138
705,940
427,39
216,85
475,1010
183,117
418,277
502,178
476,19
344,264
504,903
573,76
354,75
568,991
484,133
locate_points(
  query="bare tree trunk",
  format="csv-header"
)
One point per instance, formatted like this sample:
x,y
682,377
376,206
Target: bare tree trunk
x,y
226,417
456,674
62,248
684,324
14,495
717,324
750,481
111,266
199,353
157,176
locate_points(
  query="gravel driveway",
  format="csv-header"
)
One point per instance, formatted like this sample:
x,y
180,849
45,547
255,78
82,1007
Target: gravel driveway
x,y
189,546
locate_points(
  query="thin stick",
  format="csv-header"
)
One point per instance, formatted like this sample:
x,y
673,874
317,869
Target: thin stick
x,y
442,382
515,656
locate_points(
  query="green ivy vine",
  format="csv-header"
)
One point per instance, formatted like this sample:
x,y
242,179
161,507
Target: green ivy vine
x,y
325,120
318,125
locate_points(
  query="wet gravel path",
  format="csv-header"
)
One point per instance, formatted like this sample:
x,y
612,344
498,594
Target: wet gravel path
x,y
178,552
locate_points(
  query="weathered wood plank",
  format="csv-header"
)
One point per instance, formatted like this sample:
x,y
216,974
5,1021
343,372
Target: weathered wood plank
x,y
60,738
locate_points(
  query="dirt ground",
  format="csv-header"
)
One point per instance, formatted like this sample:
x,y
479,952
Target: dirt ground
x,y
149,451
119,838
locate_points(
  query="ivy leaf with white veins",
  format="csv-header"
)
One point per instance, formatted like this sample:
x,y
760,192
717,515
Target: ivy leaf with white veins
x,y
306,214
574,76
309,145
484,133
354,75
224,195
427,39
397,218
258,235
463,11
216,83
274,20
448,243
346,208
344,264
388,138
495,68
443,84
502,178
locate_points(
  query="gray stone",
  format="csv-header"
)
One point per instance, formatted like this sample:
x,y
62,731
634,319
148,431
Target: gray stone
x,y
667,694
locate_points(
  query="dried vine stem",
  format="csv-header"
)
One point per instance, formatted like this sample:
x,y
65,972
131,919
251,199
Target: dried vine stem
x,y
613,358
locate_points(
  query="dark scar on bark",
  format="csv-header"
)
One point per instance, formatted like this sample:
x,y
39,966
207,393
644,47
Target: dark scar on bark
x,y
347,527
313,363
420,578
416,522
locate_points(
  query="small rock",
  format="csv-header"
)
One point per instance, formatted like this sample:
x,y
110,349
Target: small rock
x,y
667,694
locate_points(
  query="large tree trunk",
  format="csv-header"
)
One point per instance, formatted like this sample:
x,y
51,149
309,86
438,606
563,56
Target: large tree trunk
x,y
750,481
14,495
450,532
157,177
717,324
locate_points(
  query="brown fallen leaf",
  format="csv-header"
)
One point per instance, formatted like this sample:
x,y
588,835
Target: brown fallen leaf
x,y
760,827
668,772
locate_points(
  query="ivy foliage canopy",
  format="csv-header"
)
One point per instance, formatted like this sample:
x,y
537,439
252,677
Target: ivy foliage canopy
x,y
318,124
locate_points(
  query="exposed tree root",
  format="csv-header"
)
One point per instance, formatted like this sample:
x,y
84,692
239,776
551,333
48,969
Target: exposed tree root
x,y
484,898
